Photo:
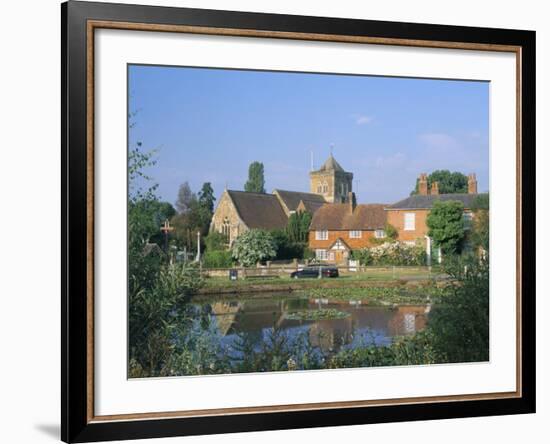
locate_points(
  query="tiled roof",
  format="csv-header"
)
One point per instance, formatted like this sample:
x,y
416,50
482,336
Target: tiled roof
x,y
339,217
259,210
292,199
311,206
422,201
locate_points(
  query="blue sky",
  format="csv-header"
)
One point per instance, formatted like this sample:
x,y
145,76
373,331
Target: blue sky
x,y
209,124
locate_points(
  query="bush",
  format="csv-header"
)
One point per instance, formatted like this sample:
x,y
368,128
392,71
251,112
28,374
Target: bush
x,y
459,322
215,241
217,259
285,247
391,253
254,246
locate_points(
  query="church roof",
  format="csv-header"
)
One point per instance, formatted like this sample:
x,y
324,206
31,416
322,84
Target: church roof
x,y
259,210
423,201
338,217
310,206
331,165
292,199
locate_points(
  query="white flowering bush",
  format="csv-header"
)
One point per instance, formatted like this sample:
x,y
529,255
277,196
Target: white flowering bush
x,y
392,253
253,246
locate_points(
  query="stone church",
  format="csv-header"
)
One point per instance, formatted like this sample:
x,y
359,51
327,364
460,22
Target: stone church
x,y
240,211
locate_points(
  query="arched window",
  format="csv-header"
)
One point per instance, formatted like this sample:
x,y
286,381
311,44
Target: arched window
x,y
325,187
226,228
319,188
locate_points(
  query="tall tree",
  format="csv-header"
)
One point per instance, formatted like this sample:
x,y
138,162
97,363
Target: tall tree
x,y
185,198
206,197
448,182
297,227
446,225
256,181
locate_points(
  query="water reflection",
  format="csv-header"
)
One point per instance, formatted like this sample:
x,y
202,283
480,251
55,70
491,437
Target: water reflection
x,y
365,325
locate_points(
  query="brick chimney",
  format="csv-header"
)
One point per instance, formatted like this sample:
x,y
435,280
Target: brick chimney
x,y
435,188
352,202
472,183
423,184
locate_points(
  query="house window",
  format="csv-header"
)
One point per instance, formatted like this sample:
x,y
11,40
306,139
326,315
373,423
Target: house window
x,y
319,188
321,235
467,218
321,255
410,221
355,234
325,187
379,234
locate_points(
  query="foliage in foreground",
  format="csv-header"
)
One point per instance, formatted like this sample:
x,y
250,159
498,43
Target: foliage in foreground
x,y
459,323
183,340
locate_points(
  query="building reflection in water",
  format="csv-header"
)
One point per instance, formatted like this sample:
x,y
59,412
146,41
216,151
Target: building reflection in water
x,y
365,325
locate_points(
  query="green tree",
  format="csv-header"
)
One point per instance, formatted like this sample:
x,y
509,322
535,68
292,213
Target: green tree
x,y
446,225
185,198
142,223
459,322
448,182
253,246
206,197
297,227
256,181
480,228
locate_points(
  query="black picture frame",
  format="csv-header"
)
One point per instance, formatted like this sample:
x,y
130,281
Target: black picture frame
x,y
76,424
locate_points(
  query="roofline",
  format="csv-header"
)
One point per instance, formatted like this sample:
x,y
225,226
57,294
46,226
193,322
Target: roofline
x,y
239,216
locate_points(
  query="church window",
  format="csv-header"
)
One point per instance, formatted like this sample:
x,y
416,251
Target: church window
x,y
319,188
226,228
325,187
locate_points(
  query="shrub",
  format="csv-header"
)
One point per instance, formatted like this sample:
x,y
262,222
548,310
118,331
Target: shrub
x,y
217,259
254,246
215,241
391,253
459,322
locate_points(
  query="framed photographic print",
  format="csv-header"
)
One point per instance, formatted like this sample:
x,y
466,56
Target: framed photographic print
x,y
276,221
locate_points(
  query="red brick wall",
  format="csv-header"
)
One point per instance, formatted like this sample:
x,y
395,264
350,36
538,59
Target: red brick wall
x,y
354,244
397,219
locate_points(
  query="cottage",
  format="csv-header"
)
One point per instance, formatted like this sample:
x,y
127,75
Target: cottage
x,y
409,215
338,228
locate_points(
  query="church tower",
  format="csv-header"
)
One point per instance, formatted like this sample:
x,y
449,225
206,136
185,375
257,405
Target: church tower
x,y
331,181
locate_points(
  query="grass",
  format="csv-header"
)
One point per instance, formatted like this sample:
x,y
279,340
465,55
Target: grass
x,y
346,280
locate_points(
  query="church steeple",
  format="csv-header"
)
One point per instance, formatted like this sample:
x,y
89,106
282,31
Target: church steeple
x,y
331,181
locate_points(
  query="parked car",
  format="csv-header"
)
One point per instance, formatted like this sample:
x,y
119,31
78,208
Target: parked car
x,y
318,271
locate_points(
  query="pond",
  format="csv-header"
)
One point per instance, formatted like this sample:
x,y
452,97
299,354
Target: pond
x,y
350,323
